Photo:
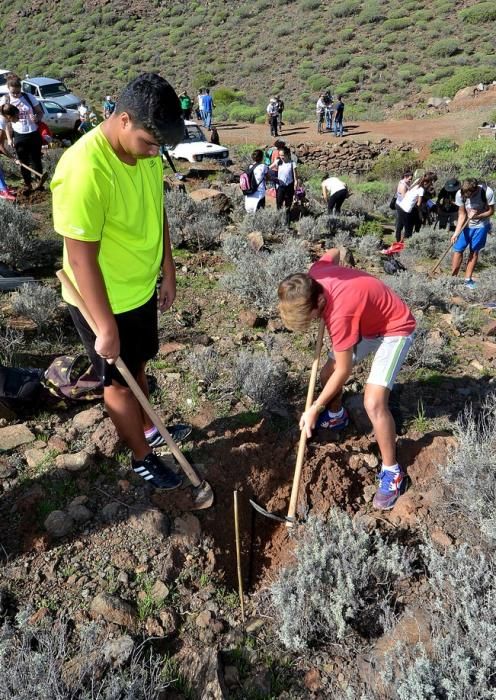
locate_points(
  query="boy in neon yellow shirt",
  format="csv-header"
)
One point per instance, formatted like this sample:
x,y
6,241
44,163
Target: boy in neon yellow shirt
x,y
108,204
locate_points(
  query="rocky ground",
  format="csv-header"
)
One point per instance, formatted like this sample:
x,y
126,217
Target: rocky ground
x,y
83,539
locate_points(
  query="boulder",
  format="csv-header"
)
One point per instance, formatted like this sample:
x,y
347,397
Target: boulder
x,y
115,610
73,462
202,669
436,102
117,651
13,436
59,523
105,438
187,529
465,92
218,201
150,521
87,419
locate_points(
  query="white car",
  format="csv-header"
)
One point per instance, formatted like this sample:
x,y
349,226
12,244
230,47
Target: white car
x,y
60,121
195,147
3,80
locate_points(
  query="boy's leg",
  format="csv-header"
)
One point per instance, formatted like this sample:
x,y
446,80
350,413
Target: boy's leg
x,y
471,263
126,414
376,401
456,263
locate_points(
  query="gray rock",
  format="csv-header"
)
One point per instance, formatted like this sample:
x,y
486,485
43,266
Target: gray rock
x,y
74,462
118,651
115,610
110,511
79,513
86,419
150,521
202,669
13,436
169,622
7,470
59,523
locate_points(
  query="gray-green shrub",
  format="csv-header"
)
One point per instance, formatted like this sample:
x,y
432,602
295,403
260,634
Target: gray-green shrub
x,y
192,224
261,378
38,303
341,576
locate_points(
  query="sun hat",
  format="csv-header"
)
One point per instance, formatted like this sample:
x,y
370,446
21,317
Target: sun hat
x,y
452,185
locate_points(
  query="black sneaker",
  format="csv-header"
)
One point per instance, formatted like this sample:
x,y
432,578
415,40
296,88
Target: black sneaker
x,y
178,432
153,470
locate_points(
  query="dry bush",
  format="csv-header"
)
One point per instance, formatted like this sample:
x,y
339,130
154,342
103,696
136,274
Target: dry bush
x,y
428,352
261,378
416,290
16,234
38,303
11,342
206,365
428,243
310,229
193,225
256,276
341,578
270,222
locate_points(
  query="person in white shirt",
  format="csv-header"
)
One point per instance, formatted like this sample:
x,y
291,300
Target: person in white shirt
x,y
256,200
286,180
411,201
320,112
83,109
23,134
401,190
334,192
273,115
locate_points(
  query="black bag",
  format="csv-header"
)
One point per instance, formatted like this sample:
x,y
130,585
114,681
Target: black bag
x,y
19,385
392,203
392,266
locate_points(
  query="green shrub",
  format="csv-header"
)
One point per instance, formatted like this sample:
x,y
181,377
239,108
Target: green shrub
x,y
345,88
371,13
443,143
396,25
318,82
293,116
310,4
337,61
370,228
480,13
243,113
374,188
392,165
466,76
203,79
346,8
225,96
444,47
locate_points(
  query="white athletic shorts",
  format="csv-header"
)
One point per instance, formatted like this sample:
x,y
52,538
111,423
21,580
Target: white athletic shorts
x,y
390,353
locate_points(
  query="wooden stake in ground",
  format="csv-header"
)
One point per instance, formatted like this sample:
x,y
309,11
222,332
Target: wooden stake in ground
x,y
238,556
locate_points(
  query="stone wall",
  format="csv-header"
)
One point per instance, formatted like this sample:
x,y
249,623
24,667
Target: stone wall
x,y
346,156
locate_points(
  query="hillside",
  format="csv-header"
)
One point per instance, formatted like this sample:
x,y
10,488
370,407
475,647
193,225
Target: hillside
x,y
378,52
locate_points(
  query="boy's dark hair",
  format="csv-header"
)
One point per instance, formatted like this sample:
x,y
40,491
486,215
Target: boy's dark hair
x,y
152,104
469,186
339,97
257,155
9,110
407,173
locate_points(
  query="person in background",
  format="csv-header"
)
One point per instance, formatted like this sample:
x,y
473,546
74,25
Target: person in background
x,y
401,190
272,115
108,106
334,192
286,180
186,104
320,112
328,113
410,203
338,116
8,115
199,110
475,204
83,109
447,210
280,110
256,200
24,135
208,108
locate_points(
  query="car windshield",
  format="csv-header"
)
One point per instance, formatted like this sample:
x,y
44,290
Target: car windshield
x,y
3,78
53,89
193,133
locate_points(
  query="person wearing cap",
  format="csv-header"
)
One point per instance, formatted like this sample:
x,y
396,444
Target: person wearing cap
x,y
447,211
273,115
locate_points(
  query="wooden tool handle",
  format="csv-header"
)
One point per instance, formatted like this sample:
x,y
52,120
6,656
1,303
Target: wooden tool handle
x,y
303,437
76,300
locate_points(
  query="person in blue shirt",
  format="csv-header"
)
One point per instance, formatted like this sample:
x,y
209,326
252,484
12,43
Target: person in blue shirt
x,y
208,107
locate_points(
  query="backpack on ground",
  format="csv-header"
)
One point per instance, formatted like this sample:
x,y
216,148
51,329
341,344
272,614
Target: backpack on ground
x,y
248,182
392,265
74,378
19,385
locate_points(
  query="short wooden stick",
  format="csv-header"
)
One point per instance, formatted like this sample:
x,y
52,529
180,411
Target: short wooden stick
x,y
238,556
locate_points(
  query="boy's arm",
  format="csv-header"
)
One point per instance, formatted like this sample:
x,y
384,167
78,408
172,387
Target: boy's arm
x,y
167,292
83,260
333,255
462,220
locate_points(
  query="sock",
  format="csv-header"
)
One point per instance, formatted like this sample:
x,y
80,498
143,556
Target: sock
x,y
339,414
151,432
394,468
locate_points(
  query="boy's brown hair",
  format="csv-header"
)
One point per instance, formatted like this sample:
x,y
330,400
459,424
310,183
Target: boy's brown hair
x,y
298,297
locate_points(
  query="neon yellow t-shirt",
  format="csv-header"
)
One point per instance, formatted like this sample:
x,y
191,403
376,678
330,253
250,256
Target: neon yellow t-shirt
x,y
97,197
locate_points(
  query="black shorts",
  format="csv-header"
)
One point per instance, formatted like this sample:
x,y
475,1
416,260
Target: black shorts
x,y
138,333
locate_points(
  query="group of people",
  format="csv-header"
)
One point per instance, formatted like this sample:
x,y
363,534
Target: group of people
x,y
117,167
274,111
464,208
330,113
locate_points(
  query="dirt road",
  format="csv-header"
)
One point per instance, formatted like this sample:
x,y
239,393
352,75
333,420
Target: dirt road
x,y
459,124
